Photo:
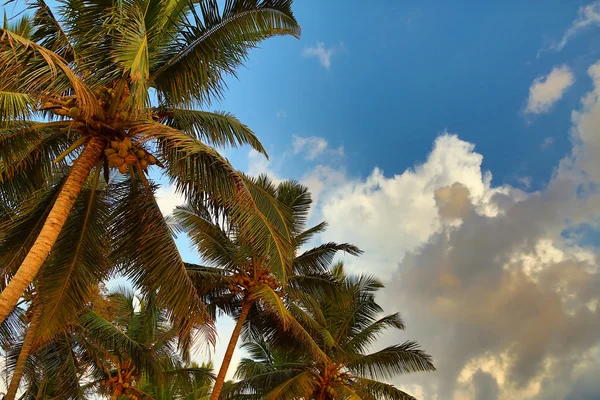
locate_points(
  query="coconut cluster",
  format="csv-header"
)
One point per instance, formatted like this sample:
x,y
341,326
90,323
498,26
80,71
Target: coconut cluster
x,y
122,386
246,281
123,153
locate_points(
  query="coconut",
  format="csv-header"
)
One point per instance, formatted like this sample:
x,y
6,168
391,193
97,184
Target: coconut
x,y
108,152
151,159
130,159
116,159
140,154
127,142
123,168
144,164
123,153
74,112
114,144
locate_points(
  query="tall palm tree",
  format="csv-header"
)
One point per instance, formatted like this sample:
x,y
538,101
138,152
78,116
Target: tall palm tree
x,y
105,86
242,280
346,322
123,346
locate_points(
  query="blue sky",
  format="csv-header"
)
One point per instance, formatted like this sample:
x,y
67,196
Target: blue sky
x,y
457,143
403,72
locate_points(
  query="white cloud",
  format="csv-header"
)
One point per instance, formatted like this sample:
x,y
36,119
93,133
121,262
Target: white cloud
x,y
507,306
547,143
546,90
168,198
281,115
314,146
321,52
487,282
588,15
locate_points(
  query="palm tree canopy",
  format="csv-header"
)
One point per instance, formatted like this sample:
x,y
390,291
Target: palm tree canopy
x,y
121,344
123,80
345,323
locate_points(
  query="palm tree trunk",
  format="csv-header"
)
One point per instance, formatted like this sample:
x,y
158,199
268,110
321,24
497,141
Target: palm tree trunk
x,y
216,392
22,360
52,227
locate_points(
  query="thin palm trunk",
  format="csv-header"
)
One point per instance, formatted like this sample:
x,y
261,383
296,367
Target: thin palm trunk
x,y
220,381
23,354
52,227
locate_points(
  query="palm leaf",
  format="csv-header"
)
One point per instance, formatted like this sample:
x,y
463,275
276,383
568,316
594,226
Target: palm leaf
x,y
218,128
146,253
193,71
370,389
397,359
77,262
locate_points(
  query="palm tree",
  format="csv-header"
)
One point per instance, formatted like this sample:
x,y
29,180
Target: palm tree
x,y
242,280
123,346
346,323
112,85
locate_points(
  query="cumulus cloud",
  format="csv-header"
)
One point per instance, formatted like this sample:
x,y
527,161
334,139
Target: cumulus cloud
x,y
587,16
321,52
485,276
314,146
547,143
546,90
487,282
168,198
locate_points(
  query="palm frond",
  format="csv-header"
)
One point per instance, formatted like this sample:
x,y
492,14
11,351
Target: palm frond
x,y
20,227
371,389
300,386
146,253
218,128
319,258
45,77
393,360
77,262
192,71
15,106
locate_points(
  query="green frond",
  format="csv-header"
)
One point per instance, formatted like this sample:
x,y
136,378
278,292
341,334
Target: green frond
x,y
48,31
218,128
145,252
290,325
27,151
391,361
103,333
20,227
370,389
297,198
130,48
343,392
15,106
45,77
192,71
368,335
300,386
319,258
198,169
77,262
215,245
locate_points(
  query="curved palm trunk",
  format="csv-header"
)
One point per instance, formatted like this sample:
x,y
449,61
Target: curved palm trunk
x,y
52,227
22,360
229,352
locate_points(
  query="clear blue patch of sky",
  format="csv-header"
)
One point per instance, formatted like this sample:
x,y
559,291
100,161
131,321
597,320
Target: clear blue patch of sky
x,y
409,70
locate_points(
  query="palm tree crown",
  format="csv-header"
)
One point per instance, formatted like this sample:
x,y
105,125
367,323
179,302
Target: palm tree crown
x,y
245,282
345,322
108,87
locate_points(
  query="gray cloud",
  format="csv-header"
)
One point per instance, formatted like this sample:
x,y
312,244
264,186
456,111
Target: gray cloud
x,y
485,385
